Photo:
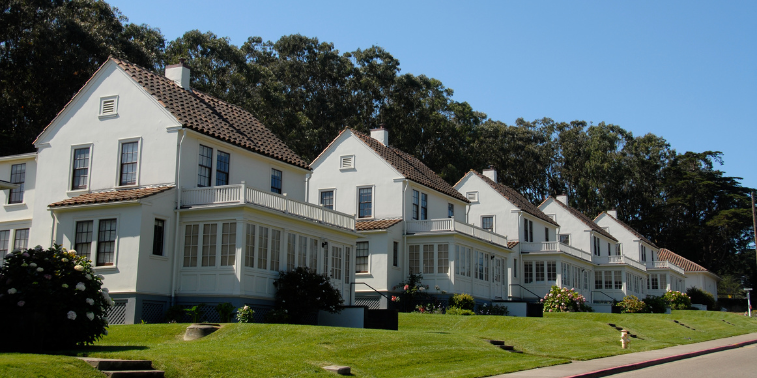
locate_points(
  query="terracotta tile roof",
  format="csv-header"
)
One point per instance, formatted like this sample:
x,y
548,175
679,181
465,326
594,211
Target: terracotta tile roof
x,y
594,227
213,117
685,264
636,233
111,196
512,244
410,167
380,224
516,198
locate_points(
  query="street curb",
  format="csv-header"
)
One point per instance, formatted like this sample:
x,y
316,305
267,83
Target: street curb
x,y
659,361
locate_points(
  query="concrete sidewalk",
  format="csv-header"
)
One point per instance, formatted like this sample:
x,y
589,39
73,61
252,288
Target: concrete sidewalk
x,y
602,367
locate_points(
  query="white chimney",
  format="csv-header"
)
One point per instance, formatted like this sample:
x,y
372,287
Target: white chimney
x,y
491,173
562,198
381,134
613,213
179,73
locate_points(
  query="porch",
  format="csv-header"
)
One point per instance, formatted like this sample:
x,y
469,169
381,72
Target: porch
x,y
451,225
619,260
555,247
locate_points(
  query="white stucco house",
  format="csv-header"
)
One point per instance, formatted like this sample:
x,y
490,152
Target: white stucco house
x,y
176,197
410,221
696,275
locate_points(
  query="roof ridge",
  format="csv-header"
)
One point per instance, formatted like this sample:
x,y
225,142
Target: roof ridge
x,y
629,228
524,204
583,218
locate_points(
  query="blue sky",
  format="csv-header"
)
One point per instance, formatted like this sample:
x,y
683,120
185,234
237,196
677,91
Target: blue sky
x,y
684,70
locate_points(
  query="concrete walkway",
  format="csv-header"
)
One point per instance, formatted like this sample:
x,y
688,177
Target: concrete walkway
x,y
602,367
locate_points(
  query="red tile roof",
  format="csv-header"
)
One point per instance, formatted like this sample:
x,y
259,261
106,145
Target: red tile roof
x,y
111,196
685,264
380,224
512,244
583,218
516,199
636,233
409,166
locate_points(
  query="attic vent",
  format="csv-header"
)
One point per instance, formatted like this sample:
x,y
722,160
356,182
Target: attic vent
x,y
472,196
108,106
347,162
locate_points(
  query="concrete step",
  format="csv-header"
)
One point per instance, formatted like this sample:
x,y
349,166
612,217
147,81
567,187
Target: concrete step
x,y
496,342
134,373
124,368
507,347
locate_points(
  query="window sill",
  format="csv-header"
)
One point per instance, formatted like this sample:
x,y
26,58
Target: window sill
x,y
77,192
106,116
159,257
131,186
105,268
15,205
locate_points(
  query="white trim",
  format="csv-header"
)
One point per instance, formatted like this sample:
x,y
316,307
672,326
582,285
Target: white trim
x,y
108,107
494,221
28,156
472,196
349,159
333,207
69,188
96,237
121,142
373,201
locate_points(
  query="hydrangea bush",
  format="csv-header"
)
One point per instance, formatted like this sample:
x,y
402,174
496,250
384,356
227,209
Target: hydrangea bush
x,y
677,300
52,298
632,305
245,314
564,300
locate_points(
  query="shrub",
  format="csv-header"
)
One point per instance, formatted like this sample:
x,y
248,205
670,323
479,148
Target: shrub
x,y
459,311
700,296
277,316
632,305
492,310
430,308
677,300
463,301
245,314
174,314
656,304
52,298
302,292
564,300
196,312
225,311
412,292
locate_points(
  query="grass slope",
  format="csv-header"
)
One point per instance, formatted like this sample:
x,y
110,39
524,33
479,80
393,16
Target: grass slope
x,y
425,345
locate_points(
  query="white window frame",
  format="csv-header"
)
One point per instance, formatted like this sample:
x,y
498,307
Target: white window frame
x,y
367,257
327,190
96,238
357,201
121,142
103,100
75,147
346,158
472,196
494,221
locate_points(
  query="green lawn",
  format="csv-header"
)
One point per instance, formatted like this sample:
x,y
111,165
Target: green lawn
x,y
425,345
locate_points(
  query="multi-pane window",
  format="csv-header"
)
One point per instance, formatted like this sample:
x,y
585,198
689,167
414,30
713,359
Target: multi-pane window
x,y
313,264
205,169
326,260
158,234
457,259
586,280
5,236
336,263
81,169
546,234
618,278
291,246
303,252
663,282
608,280
565,239
424,206
487,223
106,241
539,271
249,246
275,180
263,248
416,201
450,210
129,156
618,249
222,168
327,199
528,272
442,258
428,258
18,176
551,271
191,240
515,268
597,280
596,245
208,256
361,257
365,207
414,257
275,249
347,265
228,244
486,266
609,249
395,254
83,238
643,253
528,230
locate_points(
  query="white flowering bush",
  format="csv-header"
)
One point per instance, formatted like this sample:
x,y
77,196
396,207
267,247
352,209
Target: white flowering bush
x,y
245,314
51,299
564,300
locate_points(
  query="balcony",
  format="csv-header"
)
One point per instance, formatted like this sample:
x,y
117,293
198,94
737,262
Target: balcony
x,y
242,194
449,224
619,260
664,265
555,247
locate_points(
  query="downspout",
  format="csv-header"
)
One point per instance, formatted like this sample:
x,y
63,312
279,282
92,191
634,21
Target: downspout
x,y
404,221
52,231
307,187
520,254
177,215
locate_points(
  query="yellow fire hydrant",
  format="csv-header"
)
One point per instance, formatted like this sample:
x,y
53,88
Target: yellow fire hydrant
x,y
624,339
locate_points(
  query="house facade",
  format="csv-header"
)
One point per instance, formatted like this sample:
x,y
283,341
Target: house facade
x,y
17,198
410,220
696,275
175,196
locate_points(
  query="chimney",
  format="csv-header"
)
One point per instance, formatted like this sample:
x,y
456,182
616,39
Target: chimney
x,y
491,173
613,213
381,134
179,73
562,198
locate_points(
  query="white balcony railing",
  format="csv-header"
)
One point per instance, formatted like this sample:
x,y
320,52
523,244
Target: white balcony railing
x,y
619,259
449,224
555,247
664,265
240,193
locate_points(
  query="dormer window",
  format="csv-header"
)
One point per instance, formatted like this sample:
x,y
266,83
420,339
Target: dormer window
x,y
108,106
347,162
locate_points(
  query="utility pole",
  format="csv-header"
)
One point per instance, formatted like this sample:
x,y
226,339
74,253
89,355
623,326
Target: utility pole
x,y
754,223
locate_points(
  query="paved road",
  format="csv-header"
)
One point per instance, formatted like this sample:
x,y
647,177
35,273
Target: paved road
x,y
736,363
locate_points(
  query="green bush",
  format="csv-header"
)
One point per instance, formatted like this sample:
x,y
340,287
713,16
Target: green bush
x,y
196,312
462,301
52,298
245,314
656,304
564,300
225,311
174,314
300,293
677,300
700,296
459,311
632,305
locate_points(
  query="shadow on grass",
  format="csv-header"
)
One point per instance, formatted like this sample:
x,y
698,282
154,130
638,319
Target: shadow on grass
x,y
85,351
